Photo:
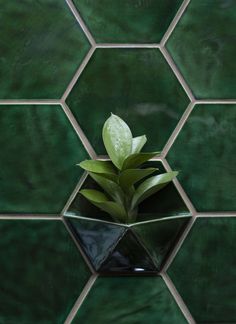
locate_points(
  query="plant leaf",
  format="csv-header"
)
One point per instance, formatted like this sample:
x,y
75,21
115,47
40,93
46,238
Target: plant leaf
x,y
104,168
134,160
117,138
151,186
129,177
100,200
109,186
138,143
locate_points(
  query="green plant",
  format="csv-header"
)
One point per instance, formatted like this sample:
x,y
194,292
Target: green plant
x,y
121,178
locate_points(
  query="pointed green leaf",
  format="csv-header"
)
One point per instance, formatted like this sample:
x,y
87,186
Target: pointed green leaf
x,y
109,186
136,159
104,168
138,143
117,139
151,186
100,200
129,177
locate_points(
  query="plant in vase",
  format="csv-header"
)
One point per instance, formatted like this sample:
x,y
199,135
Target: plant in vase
x,y
124,244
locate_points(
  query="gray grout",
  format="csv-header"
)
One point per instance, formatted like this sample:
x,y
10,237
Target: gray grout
x,y
80,300
81,22
126,45
29,217
215,101
216,214
178,298
30,102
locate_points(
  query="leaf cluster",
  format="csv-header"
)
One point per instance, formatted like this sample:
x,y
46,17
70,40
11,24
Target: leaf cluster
x,y
124,183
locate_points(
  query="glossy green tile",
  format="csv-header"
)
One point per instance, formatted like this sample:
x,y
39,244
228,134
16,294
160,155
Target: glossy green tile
x,y
132,21
122,300
36,257
97,239
39,152
137,85
203,46
159,237
204,270
41,46
129,256
205,153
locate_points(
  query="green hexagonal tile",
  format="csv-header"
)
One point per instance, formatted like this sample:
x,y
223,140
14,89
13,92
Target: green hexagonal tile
x,y
204,270
42,272
39,152
41,46
203,47
204,151
132,21
129,300
136,84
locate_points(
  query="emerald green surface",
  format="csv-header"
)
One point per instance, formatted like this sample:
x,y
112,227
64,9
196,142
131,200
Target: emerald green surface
x,y
203,46
41,46
138,86
98,239
205,152
204,270
132,21
159,237
42,272
129,300
39,152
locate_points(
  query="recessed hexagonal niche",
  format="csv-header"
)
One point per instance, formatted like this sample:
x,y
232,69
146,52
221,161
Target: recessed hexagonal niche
x,y
43,276
39,152
40,51
141,247
136,84
203,270
129,300
205,152
203,50
134,21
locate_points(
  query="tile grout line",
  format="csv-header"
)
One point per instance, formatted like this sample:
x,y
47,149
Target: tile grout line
x,y
78,247
178,299
177,129
216,214
215,101
174,22
77,74
81,22
30,102
127,45
80,299
79,131
30,217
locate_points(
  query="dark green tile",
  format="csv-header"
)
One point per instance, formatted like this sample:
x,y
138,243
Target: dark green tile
x,y
204,270
205,153
137,85
42,272
98,239
132,21
159,237
39,152
41,46
203,46
128,256
129,300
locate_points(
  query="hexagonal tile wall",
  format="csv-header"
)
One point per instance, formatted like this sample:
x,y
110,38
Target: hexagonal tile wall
x,y
43,276
204,270
204,48
39,152
35,62
136,84
205,150
134,21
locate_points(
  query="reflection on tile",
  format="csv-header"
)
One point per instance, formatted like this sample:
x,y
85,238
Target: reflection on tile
x,y
205,152
203,46
204,270
41,46
43,276
39,152
129,300
137,85
134,21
